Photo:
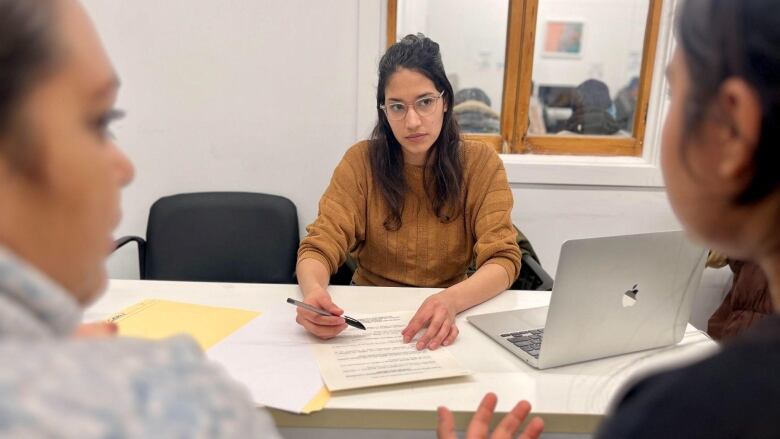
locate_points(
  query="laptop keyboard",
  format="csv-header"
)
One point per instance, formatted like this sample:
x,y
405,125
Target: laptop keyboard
x,y
529,341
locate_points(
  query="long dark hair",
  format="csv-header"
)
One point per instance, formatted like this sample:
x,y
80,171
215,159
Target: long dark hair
x,y
443,171
26,54
724,39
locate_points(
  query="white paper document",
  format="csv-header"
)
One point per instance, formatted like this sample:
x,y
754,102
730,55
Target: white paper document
x,y
378,356
271,356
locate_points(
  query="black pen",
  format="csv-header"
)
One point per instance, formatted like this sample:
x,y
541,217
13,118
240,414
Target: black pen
x,y
350,321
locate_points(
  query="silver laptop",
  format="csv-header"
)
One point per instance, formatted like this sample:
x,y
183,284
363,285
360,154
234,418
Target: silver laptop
x,y
611,296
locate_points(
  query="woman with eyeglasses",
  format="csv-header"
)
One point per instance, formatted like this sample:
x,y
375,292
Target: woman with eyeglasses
x,y
414,205
60,178
720,158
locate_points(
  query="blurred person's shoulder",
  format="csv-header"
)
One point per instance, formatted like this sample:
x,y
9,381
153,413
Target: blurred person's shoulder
x,y
734,393
137,387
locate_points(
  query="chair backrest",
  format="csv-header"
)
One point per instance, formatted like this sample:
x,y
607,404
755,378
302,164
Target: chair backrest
x,y
222,237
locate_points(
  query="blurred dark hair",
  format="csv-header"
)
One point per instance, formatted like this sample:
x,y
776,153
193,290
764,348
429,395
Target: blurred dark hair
x,y
26,54
471,94
724,39
443,174
590,103
592,94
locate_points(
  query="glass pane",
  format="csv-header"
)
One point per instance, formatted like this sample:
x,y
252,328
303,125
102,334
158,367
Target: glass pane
x,y
587,60
472,38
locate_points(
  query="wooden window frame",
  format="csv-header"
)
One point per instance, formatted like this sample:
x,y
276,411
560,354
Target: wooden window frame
x,y
520,41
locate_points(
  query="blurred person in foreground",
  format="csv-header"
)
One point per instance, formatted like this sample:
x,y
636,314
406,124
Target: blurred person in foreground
x,y
720,151
60,179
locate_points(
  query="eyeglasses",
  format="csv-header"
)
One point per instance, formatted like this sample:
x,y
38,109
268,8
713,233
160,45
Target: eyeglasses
x,y
423,107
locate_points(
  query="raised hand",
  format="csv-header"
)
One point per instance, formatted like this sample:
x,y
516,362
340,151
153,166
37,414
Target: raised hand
x,y
479,427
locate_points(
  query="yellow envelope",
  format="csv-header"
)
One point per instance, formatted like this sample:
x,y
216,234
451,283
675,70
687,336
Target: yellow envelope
x,y
156,319
318,402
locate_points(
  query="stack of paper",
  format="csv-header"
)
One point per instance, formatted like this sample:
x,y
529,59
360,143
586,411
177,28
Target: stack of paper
x,y
272,357
378,356
268,354
280,363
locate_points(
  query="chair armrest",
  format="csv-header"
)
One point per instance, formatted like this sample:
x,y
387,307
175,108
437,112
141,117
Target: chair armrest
x,y
125,239
141,251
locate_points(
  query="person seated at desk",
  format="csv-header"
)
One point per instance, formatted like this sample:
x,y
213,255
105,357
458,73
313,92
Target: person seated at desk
x,y
413,204
720,150
60,178
473,112
536,125
591,110
747,302
625,104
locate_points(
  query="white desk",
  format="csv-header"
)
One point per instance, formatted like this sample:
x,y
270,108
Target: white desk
x,y
571,399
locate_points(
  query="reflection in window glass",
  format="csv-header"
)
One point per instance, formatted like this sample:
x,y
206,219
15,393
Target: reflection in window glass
x,y
472,38
587,59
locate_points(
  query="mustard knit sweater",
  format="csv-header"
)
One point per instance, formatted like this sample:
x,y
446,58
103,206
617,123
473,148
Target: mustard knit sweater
x,y
424,252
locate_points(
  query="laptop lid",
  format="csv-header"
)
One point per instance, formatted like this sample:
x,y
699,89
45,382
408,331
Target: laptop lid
x,y
620,294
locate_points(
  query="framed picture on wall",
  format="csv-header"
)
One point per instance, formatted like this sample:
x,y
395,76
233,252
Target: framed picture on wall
x,y
563,39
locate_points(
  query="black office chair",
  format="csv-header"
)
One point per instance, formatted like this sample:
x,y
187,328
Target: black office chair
x,y
219,237
344,274
532,276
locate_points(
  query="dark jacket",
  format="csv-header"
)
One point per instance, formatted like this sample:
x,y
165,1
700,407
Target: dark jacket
x,y
590,110
592,121
732,395
747,302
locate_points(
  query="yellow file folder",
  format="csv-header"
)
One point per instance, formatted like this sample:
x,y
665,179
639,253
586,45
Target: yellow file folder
x,y
157,319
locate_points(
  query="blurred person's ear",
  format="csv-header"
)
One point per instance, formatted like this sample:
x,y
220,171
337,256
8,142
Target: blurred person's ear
x,y
5,163
741,108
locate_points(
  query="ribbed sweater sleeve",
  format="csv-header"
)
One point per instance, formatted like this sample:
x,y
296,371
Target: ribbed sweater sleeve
x,y
340,222
491,199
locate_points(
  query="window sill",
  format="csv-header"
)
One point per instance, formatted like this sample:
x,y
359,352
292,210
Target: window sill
x,y
526,169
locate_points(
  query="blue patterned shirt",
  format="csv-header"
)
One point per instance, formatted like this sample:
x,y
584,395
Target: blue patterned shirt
x,y
53,385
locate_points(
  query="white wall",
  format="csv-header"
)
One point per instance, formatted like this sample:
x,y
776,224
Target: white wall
x,y
549,214
245,95
471,35
267,95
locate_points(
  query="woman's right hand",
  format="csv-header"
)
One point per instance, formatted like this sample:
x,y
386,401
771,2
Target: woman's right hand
x,y
324,327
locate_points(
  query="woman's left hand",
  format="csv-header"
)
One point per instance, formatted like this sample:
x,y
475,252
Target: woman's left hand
x,y
438,314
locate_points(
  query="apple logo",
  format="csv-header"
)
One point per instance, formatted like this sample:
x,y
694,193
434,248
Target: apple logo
x,y
629,297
